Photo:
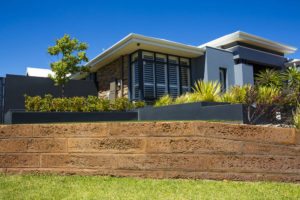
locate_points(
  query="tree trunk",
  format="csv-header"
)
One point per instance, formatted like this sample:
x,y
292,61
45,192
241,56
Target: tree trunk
x,y
63,90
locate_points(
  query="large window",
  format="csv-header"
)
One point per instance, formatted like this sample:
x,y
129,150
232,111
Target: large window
x,y
222,74
161,74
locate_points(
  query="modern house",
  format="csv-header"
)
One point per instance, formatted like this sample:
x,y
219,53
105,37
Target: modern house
x,y
146,68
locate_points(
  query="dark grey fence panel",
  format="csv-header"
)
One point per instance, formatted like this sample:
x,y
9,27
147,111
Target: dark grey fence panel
x,y
2,83
17,86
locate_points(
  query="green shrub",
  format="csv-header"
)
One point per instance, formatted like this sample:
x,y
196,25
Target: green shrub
x,y
60,105
164,101
269,78
121,104
267,95
188,98
296,117
207,91
33,103
139,104
78,104
103,105
236,94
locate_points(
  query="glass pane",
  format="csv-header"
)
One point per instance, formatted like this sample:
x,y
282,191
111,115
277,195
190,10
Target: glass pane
x,y
223,75
173,60
134,57
185,79
161,79
149,90
184,61
135,80
174,80
161,58
148,55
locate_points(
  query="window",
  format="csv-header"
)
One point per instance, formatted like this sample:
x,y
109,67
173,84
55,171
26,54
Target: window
x,y
135,76
173,76
222,77
161,74
185,75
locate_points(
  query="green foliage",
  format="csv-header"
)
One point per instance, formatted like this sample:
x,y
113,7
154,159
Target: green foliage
x,y
296,117
188,98
269,78
267,95
77,104
37,186
164,101
121,104
33,103
207,91
72,54
60,105
292,77
236,94
139,104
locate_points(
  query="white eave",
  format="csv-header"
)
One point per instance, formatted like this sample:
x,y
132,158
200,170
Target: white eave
x,y
250,39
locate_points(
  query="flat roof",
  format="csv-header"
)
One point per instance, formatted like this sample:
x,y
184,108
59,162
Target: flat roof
x,y
133,42
250,39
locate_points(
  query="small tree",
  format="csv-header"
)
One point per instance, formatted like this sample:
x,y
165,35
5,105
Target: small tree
x,y
71,54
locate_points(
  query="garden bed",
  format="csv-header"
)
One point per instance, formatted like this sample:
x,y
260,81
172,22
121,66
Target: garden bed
x,y
218,112
22,117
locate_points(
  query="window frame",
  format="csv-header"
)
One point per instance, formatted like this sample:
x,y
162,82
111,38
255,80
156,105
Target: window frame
x,y
223,71
141,60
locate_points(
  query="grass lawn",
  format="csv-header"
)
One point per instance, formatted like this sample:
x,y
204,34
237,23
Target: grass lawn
x,y
95,187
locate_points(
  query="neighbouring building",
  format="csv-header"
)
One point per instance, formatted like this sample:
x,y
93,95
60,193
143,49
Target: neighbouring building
x,y
146,68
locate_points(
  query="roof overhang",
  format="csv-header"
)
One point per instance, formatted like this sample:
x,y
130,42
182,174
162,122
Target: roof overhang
x,y
133,42
250,39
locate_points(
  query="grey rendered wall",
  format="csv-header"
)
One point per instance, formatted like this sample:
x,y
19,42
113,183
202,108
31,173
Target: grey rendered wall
x,y
197,68
243,74
257,56
17,86
215,59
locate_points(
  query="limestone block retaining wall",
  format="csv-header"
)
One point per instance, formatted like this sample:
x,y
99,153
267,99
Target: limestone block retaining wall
x,y
203,150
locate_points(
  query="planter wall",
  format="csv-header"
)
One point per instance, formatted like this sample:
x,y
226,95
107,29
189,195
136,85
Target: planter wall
x,y
21,117
194,111
198,150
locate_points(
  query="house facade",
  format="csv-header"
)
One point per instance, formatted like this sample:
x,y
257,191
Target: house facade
x,y
146,68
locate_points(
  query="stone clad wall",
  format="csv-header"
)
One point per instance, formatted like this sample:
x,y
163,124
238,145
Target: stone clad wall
x,y
153,149
111,72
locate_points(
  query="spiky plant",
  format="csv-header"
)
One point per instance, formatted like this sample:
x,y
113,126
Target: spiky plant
x,y
296,117
292,77
236,94
207,91
269,78
164,101
267,95
188,98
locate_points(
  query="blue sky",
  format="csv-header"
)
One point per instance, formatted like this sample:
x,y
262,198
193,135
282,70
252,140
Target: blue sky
x,y
28,27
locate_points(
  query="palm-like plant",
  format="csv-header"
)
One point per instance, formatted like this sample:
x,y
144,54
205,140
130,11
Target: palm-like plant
x,y
267,95
296,117
292,77
207,91
236,94
164,101
269,78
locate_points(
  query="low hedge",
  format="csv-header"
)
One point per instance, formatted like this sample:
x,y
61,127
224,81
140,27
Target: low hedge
x,y
78,104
